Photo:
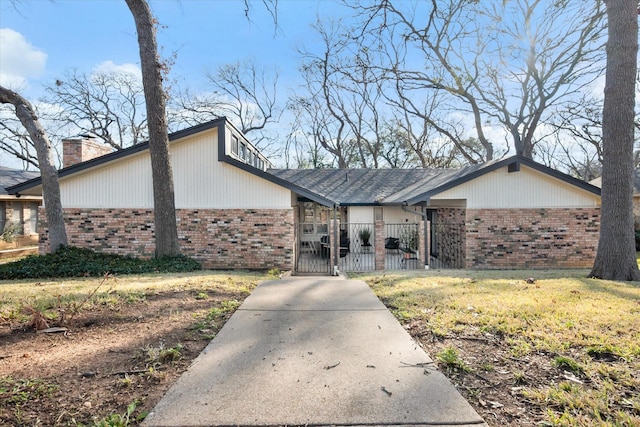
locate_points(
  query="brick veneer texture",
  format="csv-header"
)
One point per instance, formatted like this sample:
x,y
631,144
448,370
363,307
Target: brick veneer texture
x,y
80,150
531,238
218,239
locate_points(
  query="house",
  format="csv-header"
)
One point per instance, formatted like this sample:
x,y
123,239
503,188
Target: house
x,y
235,211
636,194
18,215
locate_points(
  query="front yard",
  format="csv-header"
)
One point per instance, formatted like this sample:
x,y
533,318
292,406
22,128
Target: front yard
x,y
525,348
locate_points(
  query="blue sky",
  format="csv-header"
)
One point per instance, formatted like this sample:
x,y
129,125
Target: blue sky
x,y
41,38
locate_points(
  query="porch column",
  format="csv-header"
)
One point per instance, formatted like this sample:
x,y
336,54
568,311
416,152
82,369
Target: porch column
x,y
378,244
427,262
423,243
334,246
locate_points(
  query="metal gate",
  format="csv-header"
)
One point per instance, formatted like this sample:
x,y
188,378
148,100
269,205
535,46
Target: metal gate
x,y
313,254
357,252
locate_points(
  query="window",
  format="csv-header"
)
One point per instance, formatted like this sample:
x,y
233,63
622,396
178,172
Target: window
x,y
243,150
33,219
17,218
314,219
235,145
3,215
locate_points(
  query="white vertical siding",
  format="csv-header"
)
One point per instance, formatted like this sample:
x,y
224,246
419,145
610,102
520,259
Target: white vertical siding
x,y
395,215
124,183
200,181
390,215
527,188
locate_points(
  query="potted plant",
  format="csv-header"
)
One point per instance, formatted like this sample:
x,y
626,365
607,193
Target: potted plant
x,y
365,237
409,239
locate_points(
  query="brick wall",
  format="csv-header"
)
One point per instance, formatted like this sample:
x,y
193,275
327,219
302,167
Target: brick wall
x,y
531,238
219,239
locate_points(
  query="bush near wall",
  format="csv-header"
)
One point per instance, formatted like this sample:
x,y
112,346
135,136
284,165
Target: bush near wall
x,y
78,262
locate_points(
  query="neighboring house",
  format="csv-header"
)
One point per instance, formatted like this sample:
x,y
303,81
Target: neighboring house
x,y
234,211
636,194
18,215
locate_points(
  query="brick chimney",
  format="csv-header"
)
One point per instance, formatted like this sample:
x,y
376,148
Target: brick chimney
x,y
78,149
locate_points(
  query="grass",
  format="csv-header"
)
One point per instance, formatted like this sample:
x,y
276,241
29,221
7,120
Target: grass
x,y
55,296
588,327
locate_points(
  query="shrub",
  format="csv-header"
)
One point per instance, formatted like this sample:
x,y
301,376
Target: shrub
x,y
70,261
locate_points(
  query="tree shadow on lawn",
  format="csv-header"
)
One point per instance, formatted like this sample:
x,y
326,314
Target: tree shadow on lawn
x,y
624,290
111,358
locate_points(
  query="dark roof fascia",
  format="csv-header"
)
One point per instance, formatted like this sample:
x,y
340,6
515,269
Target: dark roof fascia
x,y
513,160
225,158
79,167
365,204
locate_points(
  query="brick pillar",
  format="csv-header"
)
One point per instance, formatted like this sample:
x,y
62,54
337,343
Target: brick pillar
x,y
428,245
379,236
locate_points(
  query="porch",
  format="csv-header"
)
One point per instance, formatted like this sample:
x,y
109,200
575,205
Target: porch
x,y
364,247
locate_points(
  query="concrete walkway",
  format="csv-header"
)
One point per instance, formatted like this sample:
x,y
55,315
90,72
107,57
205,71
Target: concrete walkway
x,y
312,351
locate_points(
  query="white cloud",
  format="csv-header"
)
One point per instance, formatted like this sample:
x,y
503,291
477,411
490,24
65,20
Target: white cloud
x,y
19,60
109,67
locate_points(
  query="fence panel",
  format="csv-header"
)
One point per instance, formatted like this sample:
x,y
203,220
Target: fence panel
x,y
401,246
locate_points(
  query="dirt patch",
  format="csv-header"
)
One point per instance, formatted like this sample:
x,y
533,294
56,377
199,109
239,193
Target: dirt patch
x,y
495,382
109,358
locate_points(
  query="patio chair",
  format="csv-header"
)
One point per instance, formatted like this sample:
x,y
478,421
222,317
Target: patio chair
x,y
392,243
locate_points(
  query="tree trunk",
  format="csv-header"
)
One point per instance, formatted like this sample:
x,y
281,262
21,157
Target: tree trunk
x,y
616,258
48,171
163,195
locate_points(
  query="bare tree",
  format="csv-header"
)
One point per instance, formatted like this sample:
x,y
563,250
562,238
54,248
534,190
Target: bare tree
x,y
15,140
110,105
616,257
324,104
49,174
344,100
243,92
576,143
502,63
166,231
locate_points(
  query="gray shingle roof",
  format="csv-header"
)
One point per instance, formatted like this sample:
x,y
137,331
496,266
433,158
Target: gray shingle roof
x,y
10,177
401,186
353,186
